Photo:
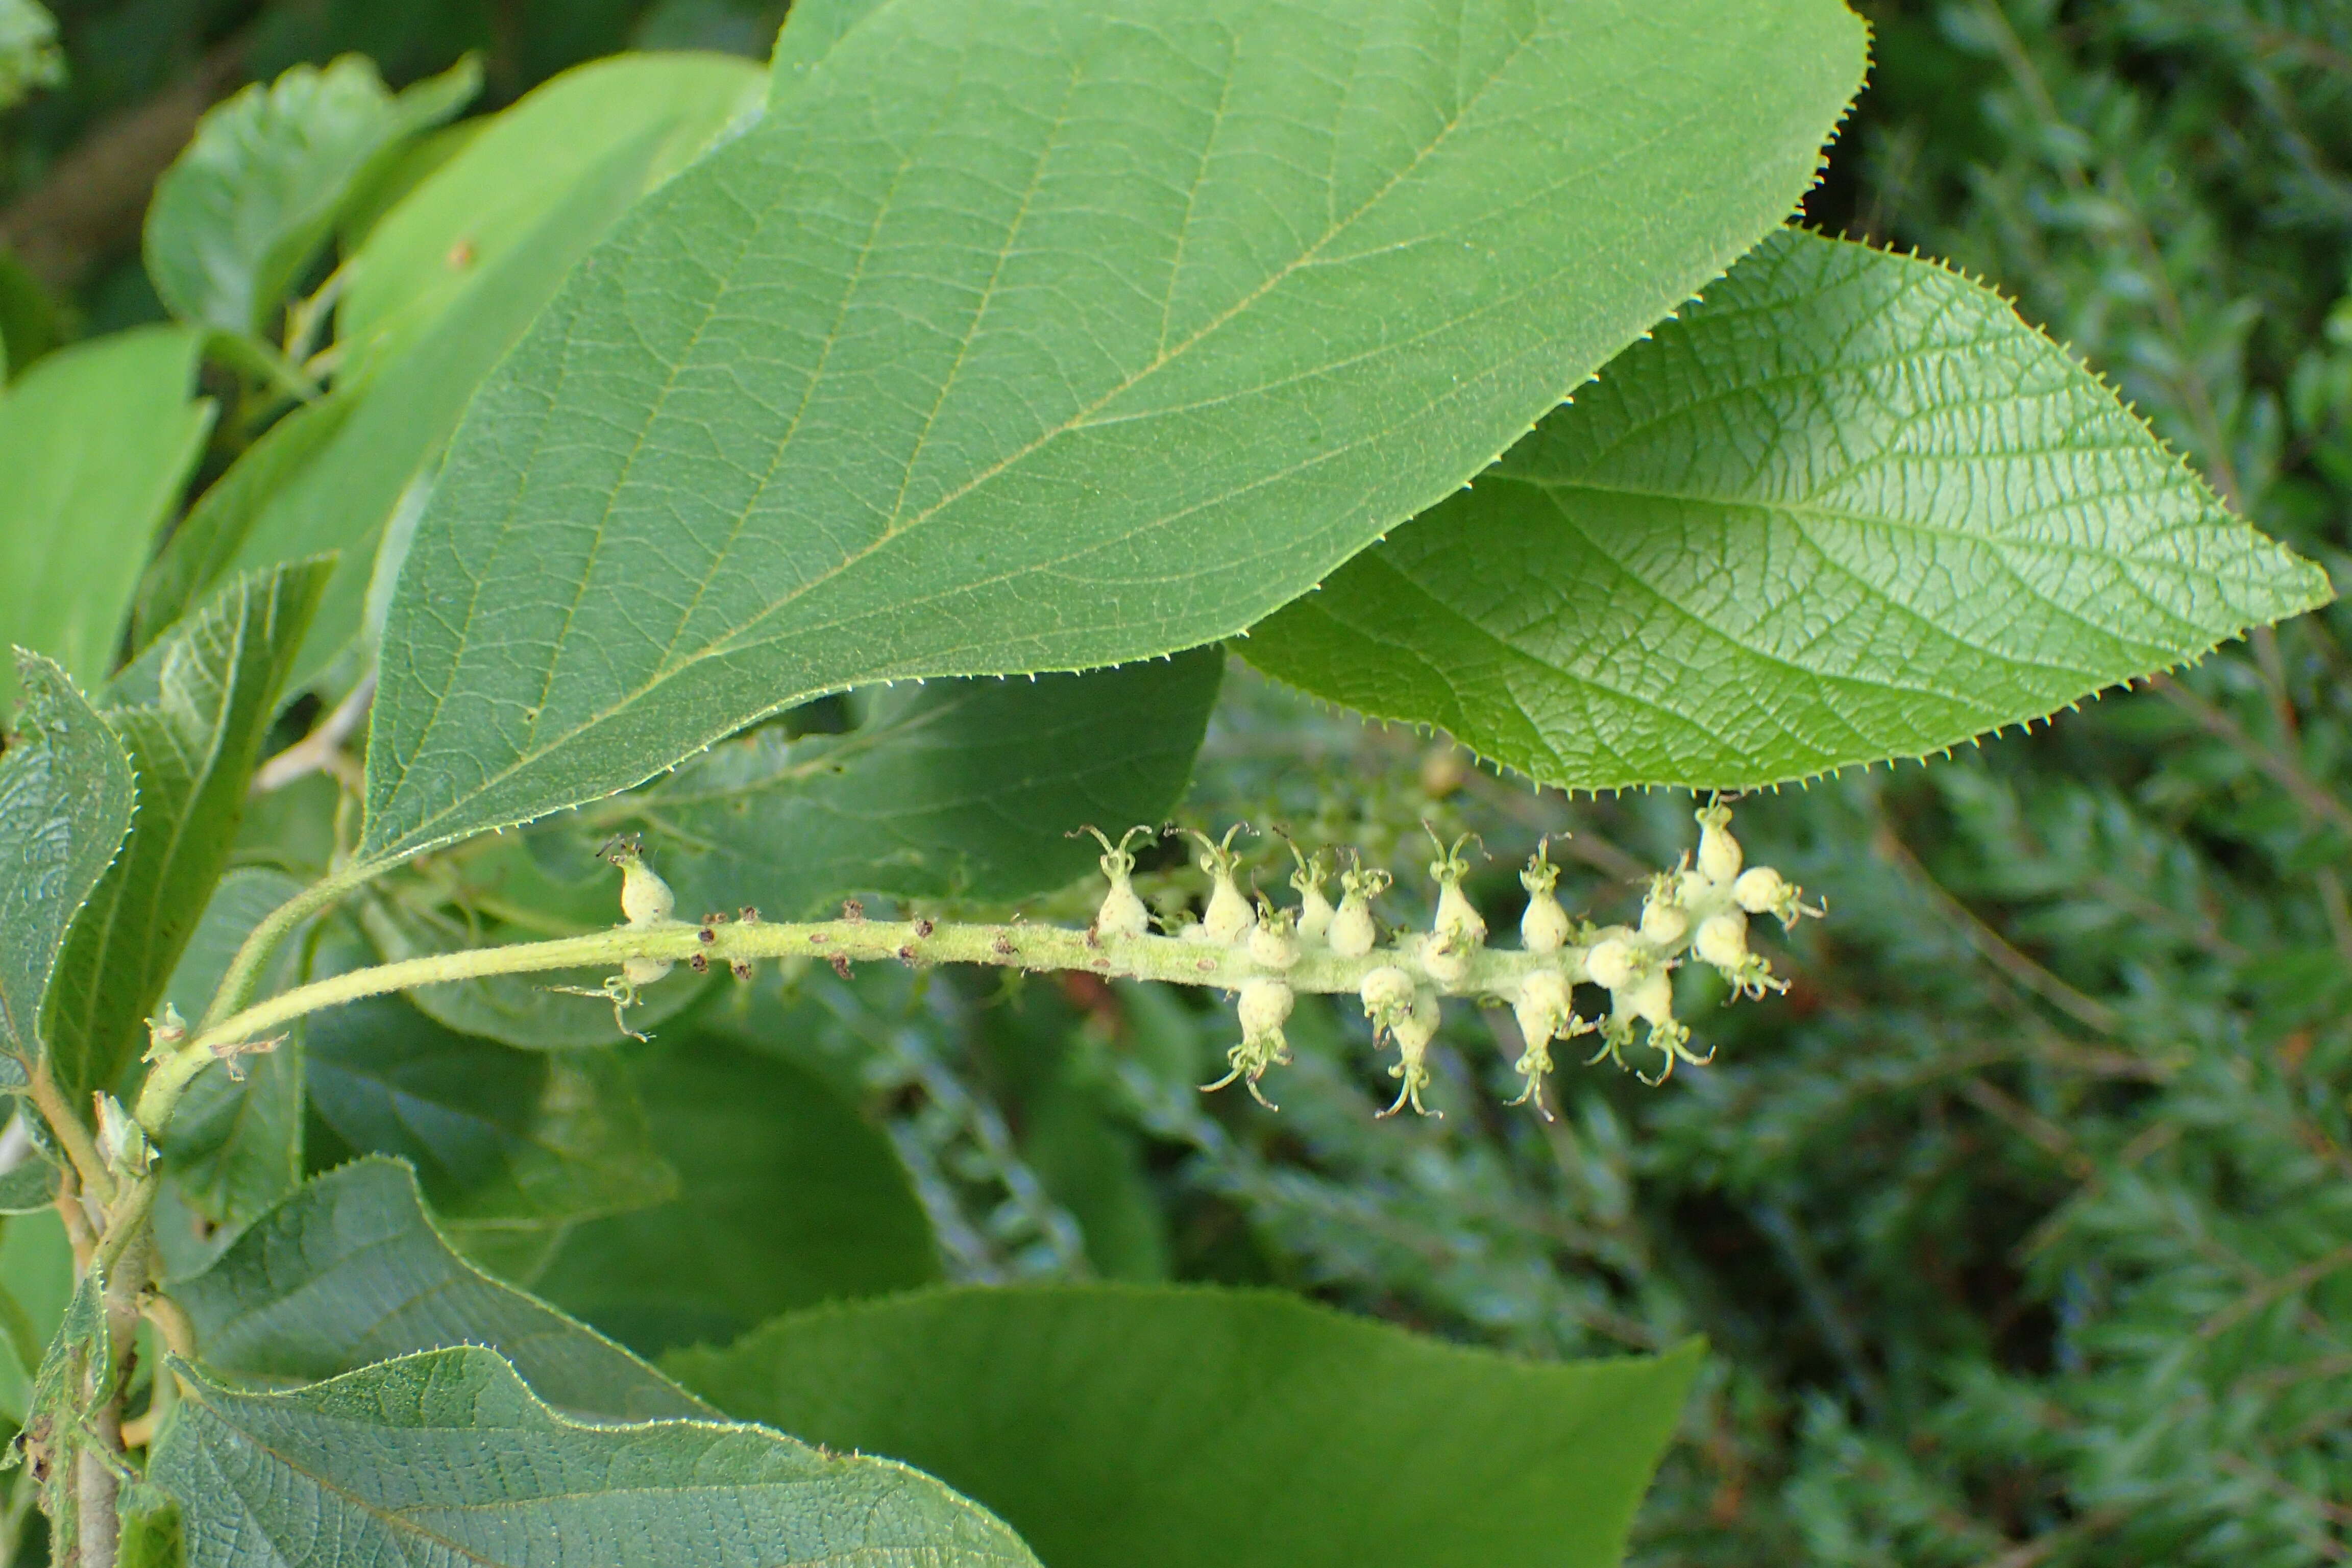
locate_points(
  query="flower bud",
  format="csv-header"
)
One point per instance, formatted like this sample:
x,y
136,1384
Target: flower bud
x,y
643,970
1722,940
1412,1035
1272,942
1228,918
1651,998
1763,891
646,899
1264,1007
1611,963
1388,995
1314,909
1719,851
1122,913
1664,922
1353,931
1457,918
1544,927
1444,958
1543,1012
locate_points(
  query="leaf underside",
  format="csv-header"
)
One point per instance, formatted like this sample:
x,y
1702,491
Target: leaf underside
x,y
1050,335
445,1458
1849,509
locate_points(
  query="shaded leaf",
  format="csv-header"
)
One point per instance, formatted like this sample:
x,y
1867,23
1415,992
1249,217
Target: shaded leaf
x,y
66,800
1049,335
206,694
344,497
349,1271
94,440
788,1197
205,543
447,1457
497,1136
1126,1428
490,198
28,1186
1850,508
236,1145
244,208
36,1276
970,789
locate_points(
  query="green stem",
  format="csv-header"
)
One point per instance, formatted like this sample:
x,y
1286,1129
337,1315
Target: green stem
x,y
1491,972
261,944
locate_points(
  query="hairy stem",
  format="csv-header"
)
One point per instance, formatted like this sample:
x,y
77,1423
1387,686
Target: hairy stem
x,y
1491,972
261,944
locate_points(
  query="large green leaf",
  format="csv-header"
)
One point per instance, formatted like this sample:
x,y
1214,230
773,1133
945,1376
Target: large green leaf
x,y
349,1271
1051,334
499,1137
446,1458
965,789
234,1146
246,207
94,441
482,203
205,543
1124,1427
789,1198
811,27
344,498
66,795
1849,508
206,696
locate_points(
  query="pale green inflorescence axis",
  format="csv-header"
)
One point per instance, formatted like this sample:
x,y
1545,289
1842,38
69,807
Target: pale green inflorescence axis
x,y
1265,955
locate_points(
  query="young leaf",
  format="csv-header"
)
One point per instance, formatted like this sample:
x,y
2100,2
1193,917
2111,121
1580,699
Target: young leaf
x,y
66,795
1126,1428
447,1457
1053,334
206,694
94,441
1849,508
204,545
244,208
789,1198
965,789
349,1271
498,1137
343,498
482,203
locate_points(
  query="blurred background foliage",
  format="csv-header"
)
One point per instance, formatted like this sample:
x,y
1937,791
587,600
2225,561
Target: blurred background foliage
x,y
2022,1228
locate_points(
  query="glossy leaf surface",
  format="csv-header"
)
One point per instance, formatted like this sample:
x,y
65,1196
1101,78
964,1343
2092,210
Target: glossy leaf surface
x,y
447,1457
1850,508
349,1271
1118,1427
1050,335
94,442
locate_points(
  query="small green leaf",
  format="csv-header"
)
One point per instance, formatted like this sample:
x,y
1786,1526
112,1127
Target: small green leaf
x,y
206,696
788,1198
1849,508
349,1271
346,495
1053,334
66,795
240,214
94,440
499,1136
1126,1428
29,56
36,1276
967,789
205,543
487,200
447,1457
